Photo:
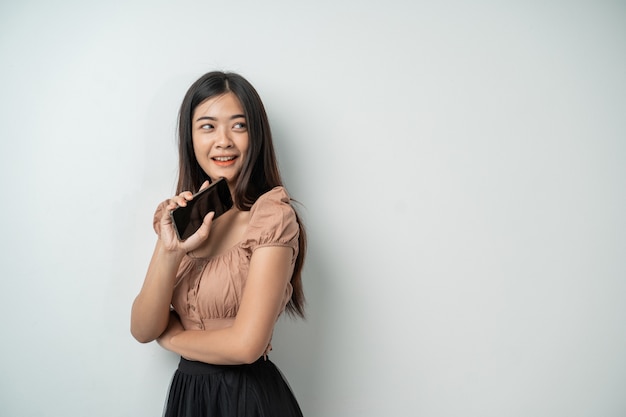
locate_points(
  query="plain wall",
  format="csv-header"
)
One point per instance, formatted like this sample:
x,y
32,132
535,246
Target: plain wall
x,y
462,173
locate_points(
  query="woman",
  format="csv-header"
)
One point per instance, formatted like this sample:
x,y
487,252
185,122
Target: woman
x,y
215,297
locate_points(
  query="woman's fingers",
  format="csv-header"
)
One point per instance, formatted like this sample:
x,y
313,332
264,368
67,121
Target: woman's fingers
x,y
205,227
201,234
168,235
204,185
182,198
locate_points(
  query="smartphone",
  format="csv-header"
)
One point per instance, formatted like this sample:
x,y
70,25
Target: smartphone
x,y
216,197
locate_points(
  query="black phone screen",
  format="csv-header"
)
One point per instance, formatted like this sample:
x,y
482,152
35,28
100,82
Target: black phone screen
x,y
216,197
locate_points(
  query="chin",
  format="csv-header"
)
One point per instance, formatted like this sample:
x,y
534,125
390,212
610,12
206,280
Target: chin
x,y
230,180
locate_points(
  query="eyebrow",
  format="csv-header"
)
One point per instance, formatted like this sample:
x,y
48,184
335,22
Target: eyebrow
x,y
233,117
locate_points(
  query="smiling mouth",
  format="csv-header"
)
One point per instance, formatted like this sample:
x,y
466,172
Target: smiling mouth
x,y
224,161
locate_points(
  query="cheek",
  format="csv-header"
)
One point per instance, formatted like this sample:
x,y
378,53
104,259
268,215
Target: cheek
x,y
244,144
198,148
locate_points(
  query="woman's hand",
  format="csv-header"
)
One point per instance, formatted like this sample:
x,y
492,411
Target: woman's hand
x,y
150,315
168,236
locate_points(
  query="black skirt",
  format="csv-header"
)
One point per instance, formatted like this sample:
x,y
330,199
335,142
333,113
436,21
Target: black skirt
x,y
257,390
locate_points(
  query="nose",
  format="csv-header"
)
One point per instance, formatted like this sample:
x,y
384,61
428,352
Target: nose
x,y
223,140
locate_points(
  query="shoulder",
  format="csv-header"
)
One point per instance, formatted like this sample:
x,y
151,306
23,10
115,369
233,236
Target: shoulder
x,y
273,220
275,199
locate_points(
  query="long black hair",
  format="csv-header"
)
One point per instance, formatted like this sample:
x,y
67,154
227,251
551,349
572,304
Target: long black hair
x,y
259,173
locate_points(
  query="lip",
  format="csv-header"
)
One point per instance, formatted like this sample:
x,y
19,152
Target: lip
x,y
224,160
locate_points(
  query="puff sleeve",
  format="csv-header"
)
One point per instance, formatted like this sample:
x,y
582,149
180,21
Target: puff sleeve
x,y
156,221
272,223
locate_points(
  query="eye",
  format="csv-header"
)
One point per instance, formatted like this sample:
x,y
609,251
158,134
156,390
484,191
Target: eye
x,y
206,126
239,126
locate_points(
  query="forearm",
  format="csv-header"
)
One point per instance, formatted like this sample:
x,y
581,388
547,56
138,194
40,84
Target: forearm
x,y
248,337
150,311
227,346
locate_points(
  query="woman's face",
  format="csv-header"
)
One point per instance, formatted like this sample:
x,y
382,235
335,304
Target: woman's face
x,y
220,137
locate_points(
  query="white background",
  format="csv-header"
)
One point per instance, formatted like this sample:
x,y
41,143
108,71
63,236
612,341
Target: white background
x,y
462,170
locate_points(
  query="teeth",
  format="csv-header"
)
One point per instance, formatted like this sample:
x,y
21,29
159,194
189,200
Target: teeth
x,y
224,158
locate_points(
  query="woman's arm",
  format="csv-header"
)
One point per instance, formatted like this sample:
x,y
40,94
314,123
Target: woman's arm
x,y
151,308
250,334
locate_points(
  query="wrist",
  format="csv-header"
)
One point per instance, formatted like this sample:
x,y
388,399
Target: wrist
x,y
174,256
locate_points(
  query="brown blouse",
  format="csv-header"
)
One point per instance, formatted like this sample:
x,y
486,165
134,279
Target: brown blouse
x,y
209,290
